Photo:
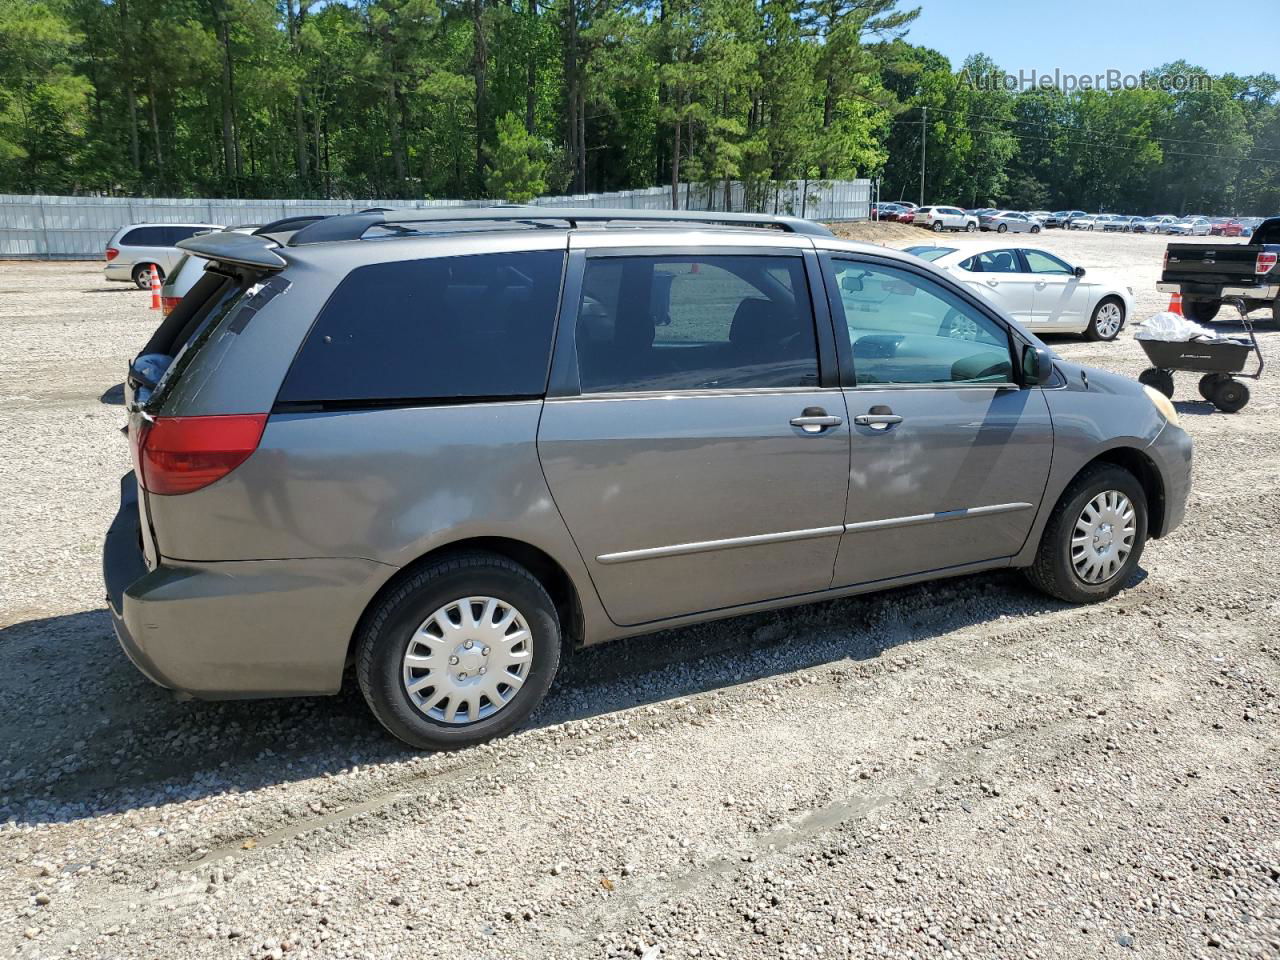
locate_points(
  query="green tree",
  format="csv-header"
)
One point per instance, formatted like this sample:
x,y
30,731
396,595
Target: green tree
x,y
517,167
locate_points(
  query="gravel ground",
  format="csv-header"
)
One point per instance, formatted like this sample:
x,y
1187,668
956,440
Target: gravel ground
x,y
961,770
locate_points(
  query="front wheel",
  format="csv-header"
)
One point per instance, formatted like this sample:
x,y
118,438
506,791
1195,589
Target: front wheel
x,y
1035,228
1229,395
1107,319
461,652
970,227
1094,538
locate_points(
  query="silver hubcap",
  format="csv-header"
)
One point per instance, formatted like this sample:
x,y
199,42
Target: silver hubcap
x,y
468,660
1109,317
1103,537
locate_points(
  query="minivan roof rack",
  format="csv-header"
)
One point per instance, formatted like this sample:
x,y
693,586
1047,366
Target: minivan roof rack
x,y
354,225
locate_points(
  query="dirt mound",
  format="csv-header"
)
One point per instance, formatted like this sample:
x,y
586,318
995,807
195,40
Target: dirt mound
x,y
887,234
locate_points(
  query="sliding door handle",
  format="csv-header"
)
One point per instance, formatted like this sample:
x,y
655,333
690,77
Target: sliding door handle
x,y
815,420
878,420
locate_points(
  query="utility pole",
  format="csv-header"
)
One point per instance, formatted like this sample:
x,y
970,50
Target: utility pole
x,y
924,138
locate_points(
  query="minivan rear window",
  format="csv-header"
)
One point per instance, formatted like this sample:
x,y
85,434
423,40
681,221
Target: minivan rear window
x,y
445,328
146,237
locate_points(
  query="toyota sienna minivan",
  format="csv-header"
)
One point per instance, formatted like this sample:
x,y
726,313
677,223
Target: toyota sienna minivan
x,y
449,446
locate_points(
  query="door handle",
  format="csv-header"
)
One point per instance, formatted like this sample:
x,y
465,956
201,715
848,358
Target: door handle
x,y
993,283
815,420
877,421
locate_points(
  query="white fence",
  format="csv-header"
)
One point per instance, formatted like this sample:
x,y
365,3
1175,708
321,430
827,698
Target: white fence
x,y
77,228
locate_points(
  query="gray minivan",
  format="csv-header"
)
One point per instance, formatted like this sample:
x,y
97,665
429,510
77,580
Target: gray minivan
x,y
448,446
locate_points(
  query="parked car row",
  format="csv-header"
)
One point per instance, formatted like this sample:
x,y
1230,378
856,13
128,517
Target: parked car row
x,y
1187,226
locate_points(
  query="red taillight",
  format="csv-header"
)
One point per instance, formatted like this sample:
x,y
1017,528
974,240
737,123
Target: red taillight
x,y
1166,261
182,454
167,305
1265,263
112,253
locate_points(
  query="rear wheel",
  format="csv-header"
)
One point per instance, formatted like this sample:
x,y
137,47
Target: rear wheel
x,y
1229,395
1002,228
1158,379
1094,537
937,226
142,275
1200,311
460,653
1107,319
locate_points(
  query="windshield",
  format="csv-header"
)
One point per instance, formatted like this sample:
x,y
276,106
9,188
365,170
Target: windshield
x,y
930,253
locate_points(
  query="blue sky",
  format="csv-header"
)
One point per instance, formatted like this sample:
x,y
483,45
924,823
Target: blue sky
x,y
1092,36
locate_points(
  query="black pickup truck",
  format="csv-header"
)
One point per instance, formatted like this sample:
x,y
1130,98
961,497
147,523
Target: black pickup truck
x,y
1206,274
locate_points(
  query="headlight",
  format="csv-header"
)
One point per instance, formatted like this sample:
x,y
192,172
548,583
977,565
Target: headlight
x,y
1163,404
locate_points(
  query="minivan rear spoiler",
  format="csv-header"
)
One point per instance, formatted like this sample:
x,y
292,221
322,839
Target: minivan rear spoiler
x,y
244,249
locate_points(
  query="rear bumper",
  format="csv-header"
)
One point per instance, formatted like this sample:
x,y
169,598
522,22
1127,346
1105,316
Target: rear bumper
x,y
1261,291
254,628
116,270
1171,451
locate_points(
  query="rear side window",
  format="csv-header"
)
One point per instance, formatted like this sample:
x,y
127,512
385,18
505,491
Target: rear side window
x,y
146,237
446,328
174,234
695,323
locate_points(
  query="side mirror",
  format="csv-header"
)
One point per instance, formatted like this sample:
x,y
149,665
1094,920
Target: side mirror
x,y
1079,271
1037,366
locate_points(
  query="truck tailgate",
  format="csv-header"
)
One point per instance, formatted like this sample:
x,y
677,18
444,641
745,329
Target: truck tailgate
x,y
1211,263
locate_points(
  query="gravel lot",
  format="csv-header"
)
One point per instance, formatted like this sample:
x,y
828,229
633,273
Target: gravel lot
x,y
961,770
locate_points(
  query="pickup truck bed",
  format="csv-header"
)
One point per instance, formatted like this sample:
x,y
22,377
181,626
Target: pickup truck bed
x,y
1206,274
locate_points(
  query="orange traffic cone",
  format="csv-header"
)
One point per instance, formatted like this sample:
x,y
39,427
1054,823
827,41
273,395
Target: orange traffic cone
x,y
155,288
1175,304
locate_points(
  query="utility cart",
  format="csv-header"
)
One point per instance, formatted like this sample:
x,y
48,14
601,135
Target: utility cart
x,y
1220,361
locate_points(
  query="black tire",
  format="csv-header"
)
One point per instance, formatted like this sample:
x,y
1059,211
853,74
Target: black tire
x,y
1002,228
387,629
1229,395
1091,332
1035,228
1161,380
970,227
1207,383
1200,311
1052,571
142,275
938,226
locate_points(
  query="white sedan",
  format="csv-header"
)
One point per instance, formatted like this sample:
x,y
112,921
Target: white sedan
x,y
1037,288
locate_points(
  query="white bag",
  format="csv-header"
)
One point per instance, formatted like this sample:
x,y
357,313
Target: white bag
x,y
1172,328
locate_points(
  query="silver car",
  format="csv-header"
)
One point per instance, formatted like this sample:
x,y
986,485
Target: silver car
x,y
450,446
133,249
1009,221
